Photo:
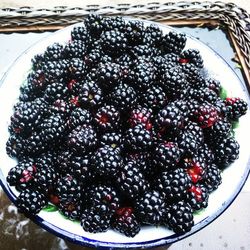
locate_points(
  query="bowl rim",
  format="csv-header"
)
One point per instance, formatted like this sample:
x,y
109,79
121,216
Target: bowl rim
x,y
83,240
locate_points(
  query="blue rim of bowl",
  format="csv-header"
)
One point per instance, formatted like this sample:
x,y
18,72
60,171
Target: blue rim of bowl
x,y
84,241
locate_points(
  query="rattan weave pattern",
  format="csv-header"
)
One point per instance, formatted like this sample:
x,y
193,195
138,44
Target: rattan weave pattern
x,y
236,19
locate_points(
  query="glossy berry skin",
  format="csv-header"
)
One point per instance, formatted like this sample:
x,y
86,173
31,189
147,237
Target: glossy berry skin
x,y
174,42
125,222
236,108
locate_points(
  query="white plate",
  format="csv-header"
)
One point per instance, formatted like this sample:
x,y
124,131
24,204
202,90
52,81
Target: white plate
x,y
234,176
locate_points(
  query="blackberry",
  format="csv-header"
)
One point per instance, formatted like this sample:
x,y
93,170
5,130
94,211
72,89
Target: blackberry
x,y
138,138
75,49
179,217
76,69
54,91
82,139
106,161
220,129
153,35
63,161
94,25
125,222
107,118
214,85
113,139
125,61
54,70
202,95
69,192
170,117
141,115
79,116
197,197
113,42
143,50
123,96
30,201
144,75
131,181
194,76
213,178
114,23
53,52
95,222
154,98
80,33
205,115
150,208
103,196
173,185
167,155
62,108
52,128
206,154
173,82
174,42
108,75
236,107
134,32
191,56
226,152
90,95
93,57
22,175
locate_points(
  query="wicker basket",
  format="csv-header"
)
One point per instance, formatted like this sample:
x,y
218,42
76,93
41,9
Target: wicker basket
x,y
234,18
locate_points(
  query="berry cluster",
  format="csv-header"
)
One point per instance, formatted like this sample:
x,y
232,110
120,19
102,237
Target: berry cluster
x,y
120,128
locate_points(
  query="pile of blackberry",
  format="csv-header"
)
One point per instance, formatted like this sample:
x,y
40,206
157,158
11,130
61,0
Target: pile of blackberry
x,y
121,128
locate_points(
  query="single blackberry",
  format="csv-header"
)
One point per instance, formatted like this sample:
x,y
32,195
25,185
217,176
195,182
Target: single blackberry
x,y
99,196
114,23
61,108
167,155
134,32
205,115
107,118
76,69
93,57
154,98
236,107
174,42
138,138
22,175
113,139
75,49
63,161
82,139
80,33
206,153
214,85
195,77
113,42
191,56
140,115
174,82
79,116
15,146
143,50
126,222
173,185
213,178
54,70
195,167
197,197
90,95
54,91
170,117
153,35
123,97
94,25
226,151
79,168
69,193
221,108
52,128
109,75
53,52
106,161
144,75
131,181
219,130
94,222
150,208
179,217
30,201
